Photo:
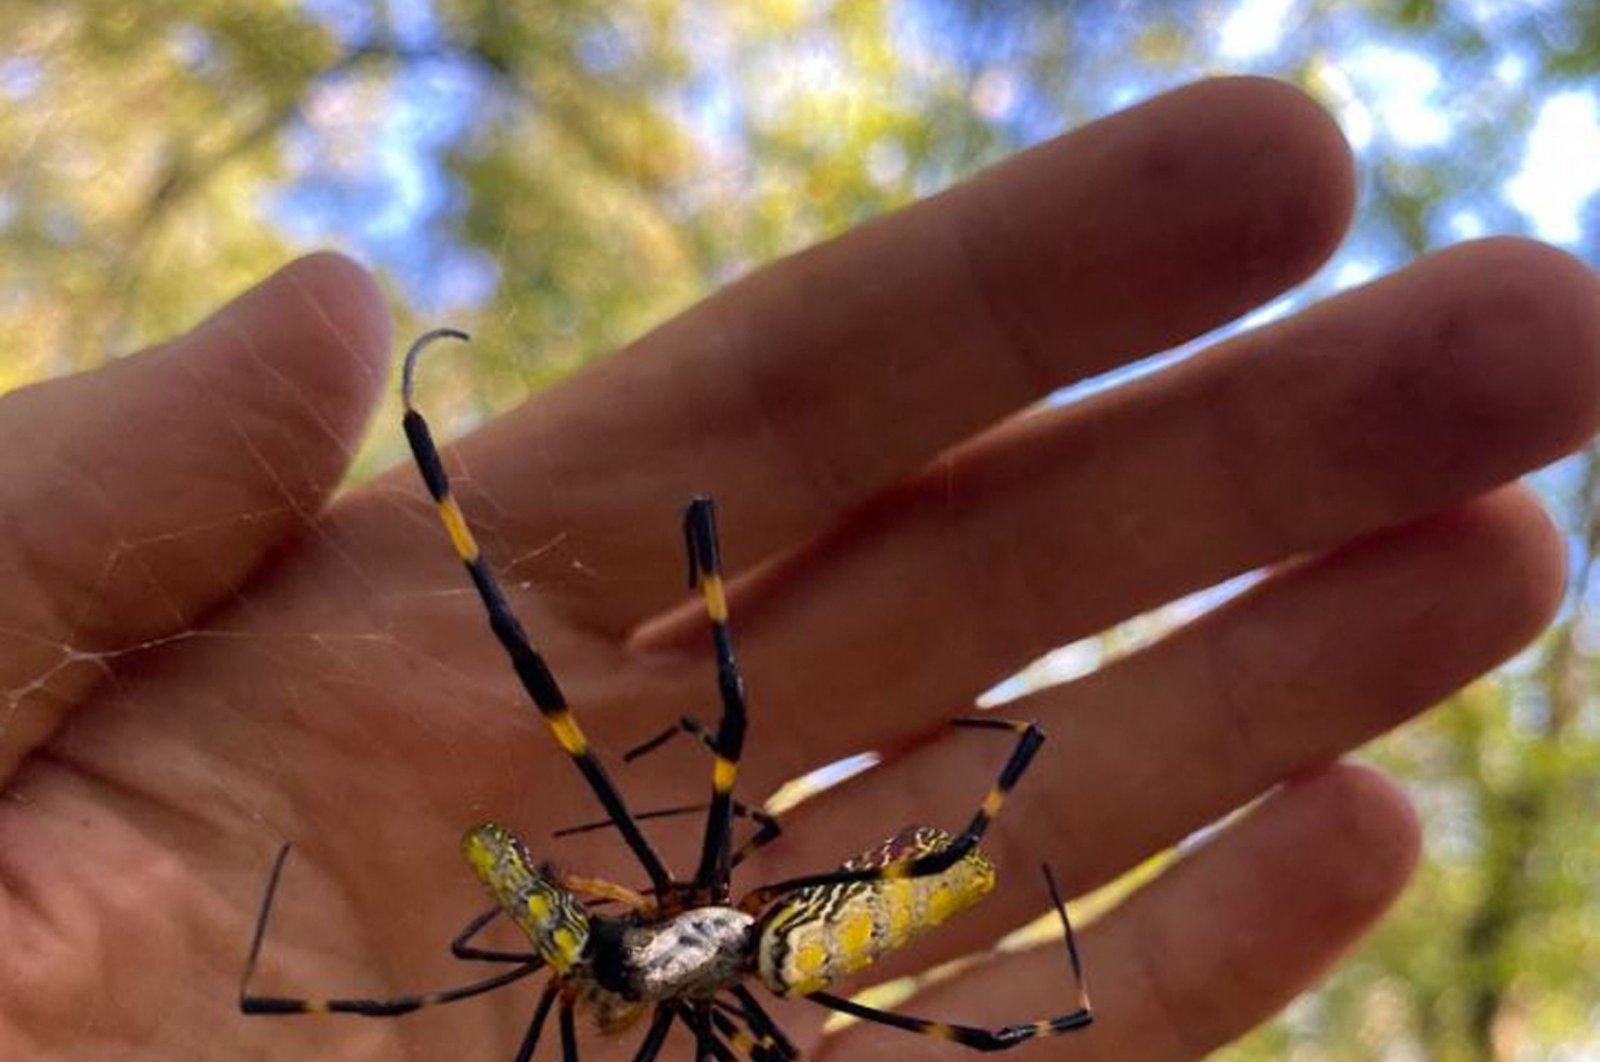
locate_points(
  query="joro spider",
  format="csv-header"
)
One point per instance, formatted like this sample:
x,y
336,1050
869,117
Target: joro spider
x,y
683,951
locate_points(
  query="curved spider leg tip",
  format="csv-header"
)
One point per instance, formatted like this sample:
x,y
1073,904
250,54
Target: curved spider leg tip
x,y
421,343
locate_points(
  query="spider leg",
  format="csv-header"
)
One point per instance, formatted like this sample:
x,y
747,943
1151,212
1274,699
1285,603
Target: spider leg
x,y
751,1046
464,951
529,665
768,829
762,1024
703,1037
1029,738
530,1041
659,1026
391,1007
707,1045
569,1032
705,574
600,889
371,1008
686,725
643,816
980,1039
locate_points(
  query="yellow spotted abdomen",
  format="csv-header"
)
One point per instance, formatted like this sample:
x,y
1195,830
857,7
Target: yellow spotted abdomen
x,y
809,939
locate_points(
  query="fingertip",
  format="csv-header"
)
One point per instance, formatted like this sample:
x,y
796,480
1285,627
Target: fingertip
x,y
345,297
297,363
1280,178
321,320
1517,323
1282,144
1370,838
141,495
1521,550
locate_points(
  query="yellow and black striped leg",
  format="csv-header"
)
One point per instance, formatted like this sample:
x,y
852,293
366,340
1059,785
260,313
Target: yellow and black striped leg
x,y
1006,1036
705,574
530,1042
392,1007
1001,1039
529,665
743,1043
1029,738
764,1026
750,1046
772,1042
650,1048
768,829
466,952
372,1008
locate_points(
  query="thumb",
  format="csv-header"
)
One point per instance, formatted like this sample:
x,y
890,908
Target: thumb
x,y
136,497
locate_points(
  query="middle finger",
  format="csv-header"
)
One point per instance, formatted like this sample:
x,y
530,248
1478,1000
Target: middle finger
x,y
814,382
1374,408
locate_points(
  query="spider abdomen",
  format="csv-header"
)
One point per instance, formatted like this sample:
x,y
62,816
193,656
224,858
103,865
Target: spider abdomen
x,y
553,918
817,935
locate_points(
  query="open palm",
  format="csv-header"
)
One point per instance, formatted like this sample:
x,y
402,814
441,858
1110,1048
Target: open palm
x,y
206,656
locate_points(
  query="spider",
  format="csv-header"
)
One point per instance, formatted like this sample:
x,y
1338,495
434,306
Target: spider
x,y
683,951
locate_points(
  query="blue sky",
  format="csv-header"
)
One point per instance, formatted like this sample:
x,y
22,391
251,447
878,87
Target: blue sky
x,y
381,189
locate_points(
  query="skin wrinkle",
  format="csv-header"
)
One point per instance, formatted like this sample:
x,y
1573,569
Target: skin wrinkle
x,y
828,483
23,935
1226,675
1031,370
50,904
1225,664
128,800
1151,953
1233,435
761,398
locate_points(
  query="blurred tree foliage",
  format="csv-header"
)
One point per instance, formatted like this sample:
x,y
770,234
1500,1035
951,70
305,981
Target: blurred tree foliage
x,y
558,176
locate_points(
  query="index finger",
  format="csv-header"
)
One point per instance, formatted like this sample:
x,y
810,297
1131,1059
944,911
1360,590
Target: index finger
x,y
802,390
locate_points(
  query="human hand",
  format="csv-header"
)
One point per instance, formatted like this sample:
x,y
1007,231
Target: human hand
x,y
206,656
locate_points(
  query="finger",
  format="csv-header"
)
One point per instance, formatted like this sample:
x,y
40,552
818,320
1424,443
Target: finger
x,y
1295,672
797,392
139,495
1213,947
1431,386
